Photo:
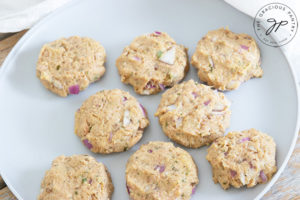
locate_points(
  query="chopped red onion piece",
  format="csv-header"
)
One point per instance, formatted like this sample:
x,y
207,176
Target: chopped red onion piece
x,y
207,102
242,178
153,86
128,189
245,139
136,58
195,94
233,173
251,166
90,181
162,87
161,168
74,89
244,47
87,143
150,85
194,190
126,118
219,108
168,57
144,110
157,32
252,148
178,122
216,110
226,153
150,151
125,98
110,136
263,176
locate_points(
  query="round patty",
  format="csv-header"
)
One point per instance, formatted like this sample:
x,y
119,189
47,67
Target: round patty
x,y
225,59
110,121
76,177
69,65
193,114
243,158
152,62
158,170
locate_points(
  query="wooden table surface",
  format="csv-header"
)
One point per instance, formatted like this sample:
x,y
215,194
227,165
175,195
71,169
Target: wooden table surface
x,y
287,186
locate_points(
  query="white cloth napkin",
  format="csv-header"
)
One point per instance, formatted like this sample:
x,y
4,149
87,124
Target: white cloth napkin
x,y
17,15
292,49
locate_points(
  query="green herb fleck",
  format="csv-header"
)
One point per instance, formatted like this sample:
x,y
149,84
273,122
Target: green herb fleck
x,y
166,124
125,148
96,78
159,54
76,192
170,76
57,67
83,180
210,68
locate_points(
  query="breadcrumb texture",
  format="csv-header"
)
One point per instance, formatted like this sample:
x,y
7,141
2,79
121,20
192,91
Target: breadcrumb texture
x,y
74,61
158,170
225,59
110,121
76,177
193,114
152,62
245,158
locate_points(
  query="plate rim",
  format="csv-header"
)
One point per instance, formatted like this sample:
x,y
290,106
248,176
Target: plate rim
x,y
296,131
33,29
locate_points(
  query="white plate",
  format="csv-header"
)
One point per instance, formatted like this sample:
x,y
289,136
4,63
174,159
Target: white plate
x,y
37,126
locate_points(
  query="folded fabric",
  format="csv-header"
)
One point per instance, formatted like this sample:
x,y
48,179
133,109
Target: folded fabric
x,y
18,15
